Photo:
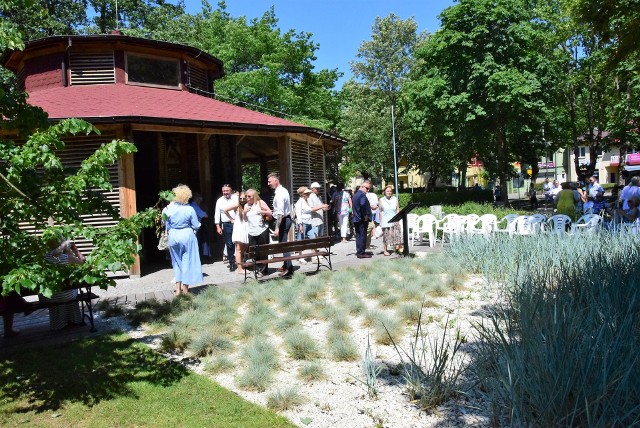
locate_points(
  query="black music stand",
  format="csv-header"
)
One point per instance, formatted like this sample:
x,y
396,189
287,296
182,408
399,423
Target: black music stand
x,y
402,215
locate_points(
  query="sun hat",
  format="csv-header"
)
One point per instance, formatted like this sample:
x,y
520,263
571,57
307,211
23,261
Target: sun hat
x,y
303,189
315,184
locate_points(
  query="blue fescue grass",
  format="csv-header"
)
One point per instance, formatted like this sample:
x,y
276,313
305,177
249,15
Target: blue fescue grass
x,y
560,348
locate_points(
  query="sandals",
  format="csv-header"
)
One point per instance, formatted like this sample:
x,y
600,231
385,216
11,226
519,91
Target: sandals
x,y
386,253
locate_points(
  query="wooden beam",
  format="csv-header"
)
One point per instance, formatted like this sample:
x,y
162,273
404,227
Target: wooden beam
x,y
284,164
204,130
204,163
127,181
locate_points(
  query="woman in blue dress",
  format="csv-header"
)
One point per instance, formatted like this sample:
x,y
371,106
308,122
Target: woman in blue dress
x,y
182,224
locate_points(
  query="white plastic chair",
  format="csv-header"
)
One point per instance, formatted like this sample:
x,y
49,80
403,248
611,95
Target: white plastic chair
x,y
509,224
470,222
588,223
412,225
451,224
559,224
426,225
488,224
526,225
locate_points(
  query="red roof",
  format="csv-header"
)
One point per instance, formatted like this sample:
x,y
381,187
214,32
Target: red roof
x,y
119,101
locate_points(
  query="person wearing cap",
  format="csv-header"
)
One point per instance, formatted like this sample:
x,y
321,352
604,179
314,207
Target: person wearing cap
x,y
317,208
302,212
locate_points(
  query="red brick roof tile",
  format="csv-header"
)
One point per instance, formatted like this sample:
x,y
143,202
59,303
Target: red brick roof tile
x,y
122,101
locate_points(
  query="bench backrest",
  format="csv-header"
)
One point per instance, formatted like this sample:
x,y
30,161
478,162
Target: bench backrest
x,y
290,247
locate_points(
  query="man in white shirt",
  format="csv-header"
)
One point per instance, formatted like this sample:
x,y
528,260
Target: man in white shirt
x,y
555,190
546,187
317,208
594,188
282,215
224,222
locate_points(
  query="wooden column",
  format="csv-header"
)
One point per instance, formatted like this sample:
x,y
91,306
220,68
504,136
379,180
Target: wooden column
x,y
127,181
284,162
204,163
284,165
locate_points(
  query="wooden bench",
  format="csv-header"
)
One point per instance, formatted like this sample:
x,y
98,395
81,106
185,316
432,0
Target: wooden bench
x,y
320,248
84,297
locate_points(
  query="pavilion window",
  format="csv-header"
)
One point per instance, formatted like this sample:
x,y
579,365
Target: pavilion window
x,y
152,71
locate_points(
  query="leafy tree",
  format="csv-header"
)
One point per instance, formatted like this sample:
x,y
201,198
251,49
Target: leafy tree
x,y
382,65
43,18
616,21
36,189
491,55
132,14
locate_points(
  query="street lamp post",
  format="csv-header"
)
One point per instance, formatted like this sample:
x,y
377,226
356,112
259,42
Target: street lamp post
x,y
395,156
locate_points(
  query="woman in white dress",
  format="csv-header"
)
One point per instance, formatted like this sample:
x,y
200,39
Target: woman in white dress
x,y
239,236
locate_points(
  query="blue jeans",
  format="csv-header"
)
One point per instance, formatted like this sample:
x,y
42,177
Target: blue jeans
x,y
306,231
283,235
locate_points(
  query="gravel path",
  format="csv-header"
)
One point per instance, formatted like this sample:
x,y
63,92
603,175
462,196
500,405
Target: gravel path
x,y
341,400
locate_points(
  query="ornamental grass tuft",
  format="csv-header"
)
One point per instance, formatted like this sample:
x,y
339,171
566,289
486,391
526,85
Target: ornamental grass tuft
x,y
311,371
300,345
282,400
560,346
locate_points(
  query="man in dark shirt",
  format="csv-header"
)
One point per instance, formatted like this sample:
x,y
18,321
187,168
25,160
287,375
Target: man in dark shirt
x,y
361,217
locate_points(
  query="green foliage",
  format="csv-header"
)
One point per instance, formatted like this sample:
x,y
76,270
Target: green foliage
x,y
560,347
382,65
36,188
480,83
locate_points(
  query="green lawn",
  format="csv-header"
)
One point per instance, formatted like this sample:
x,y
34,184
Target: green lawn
x,y
111,381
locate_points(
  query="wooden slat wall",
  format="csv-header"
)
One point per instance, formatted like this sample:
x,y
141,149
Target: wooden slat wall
x,y
77,149
307,166
198,78
92,69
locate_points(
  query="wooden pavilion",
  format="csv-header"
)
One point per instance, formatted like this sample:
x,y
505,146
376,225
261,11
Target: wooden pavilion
x,y
160,97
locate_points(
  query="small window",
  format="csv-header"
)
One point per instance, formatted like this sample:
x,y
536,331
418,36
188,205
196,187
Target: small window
x,y
152,71
582,151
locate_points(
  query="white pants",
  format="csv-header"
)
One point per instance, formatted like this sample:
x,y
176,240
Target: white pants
x,y
344,225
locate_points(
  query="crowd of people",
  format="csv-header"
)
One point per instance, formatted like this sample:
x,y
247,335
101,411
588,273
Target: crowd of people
x,y
252,218
575,199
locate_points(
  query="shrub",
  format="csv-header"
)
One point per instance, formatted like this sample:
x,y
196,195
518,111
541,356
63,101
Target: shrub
x,y
300,345
220,364
432,368
340,346
284,400
311,371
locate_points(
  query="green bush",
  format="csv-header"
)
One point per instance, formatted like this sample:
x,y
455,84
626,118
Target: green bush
x,y
473,208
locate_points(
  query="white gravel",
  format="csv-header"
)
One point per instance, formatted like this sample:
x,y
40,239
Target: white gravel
x,y
342,401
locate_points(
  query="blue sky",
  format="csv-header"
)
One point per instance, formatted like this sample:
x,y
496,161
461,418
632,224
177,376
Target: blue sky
x,y
337,26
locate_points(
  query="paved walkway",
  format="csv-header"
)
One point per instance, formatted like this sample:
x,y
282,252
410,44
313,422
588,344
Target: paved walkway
x,y
34,329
